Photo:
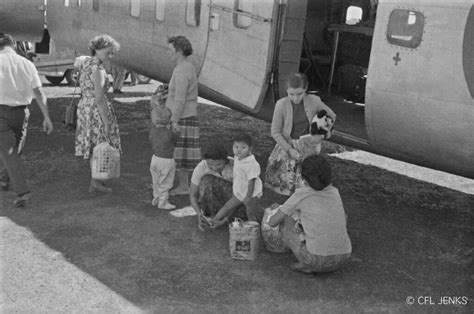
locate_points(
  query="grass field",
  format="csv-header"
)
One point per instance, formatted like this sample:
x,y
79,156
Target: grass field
x,y
409,237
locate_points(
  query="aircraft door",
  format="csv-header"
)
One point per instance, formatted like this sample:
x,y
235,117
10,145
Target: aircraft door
x,y
392,84
238,58
31,15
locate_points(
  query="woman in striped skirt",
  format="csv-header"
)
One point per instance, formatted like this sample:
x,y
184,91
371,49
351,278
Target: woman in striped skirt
x,y
182,101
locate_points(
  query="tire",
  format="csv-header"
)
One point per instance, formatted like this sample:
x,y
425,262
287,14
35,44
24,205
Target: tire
x,y
72,77
55,80
143,79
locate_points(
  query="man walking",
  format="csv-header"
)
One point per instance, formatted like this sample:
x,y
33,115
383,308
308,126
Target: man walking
x,y
19,84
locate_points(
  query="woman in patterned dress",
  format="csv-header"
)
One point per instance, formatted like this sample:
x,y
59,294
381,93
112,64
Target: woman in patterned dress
x,y
96,120
291,120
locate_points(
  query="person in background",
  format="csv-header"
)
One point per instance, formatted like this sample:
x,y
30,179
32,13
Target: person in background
x,y
21,48
19,83
291,119
162,166
118,73
314,222
246,186
133,78
182,101
96,120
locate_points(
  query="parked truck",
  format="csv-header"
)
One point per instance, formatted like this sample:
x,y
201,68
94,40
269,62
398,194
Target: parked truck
x,y
57,63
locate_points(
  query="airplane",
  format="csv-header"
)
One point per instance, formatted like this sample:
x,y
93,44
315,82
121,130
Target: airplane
x,y
412,59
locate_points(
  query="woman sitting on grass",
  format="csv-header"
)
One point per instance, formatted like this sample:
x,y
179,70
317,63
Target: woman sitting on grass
x,y
313,221
211,184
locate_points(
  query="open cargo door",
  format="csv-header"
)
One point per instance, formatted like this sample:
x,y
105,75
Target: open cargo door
x,y
238,59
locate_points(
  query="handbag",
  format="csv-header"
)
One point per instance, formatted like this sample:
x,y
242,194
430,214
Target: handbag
x,y
70,116
105,163
281,172
272,236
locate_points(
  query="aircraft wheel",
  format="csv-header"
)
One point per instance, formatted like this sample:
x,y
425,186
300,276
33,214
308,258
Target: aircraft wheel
x,y
143,79
71,77
55,80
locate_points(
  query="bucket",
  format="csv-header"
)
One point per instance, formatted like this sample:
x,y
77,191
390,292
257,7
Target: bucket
x,y
272,236
244,238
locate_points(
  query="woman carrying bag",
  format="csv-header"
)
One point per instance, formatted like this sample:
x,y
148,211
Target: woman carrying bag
x,y
96,119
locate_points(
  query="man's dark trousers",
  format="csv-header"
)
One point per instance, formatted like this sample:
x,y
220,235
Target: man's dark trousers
x,y
11,131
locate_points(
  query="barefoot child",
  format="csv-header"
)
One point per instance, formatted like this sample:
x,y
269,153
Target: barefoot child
x,y
246,187
162,167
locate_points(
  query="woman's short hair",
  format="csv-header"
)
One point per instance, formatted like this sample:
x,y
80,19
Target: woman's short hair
x,y
216,151
101,42
181,43
316,170
297,80
6,40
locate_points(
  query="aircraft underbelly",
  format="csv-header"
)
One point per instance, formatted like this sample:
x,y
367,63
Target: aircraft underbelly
x,y
24,20
439,134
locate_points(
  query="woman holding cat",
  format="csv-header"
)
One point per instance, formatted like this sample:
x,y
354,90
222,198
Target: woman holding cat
x,y
291,120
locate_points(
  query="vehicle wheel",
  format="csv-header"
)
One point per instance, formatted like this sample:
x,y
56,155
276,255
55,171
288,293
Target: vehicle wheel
x,y
55,80
143,79
72,76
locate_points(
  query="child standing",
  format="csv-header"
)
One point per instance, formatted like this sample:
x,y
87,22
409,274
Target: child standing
x,y
162,166
247,186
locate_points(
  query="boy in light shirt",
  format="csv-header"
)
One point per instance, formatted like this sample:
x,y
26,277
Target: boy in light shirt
x,y
246,187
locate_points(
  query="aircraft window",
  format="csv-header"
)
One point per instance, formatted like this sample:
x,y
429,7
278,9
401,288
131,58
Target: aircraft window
x,y
160,10
411,18
95,5
135,8
193,12
405,28
240,20
73,3
353,15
